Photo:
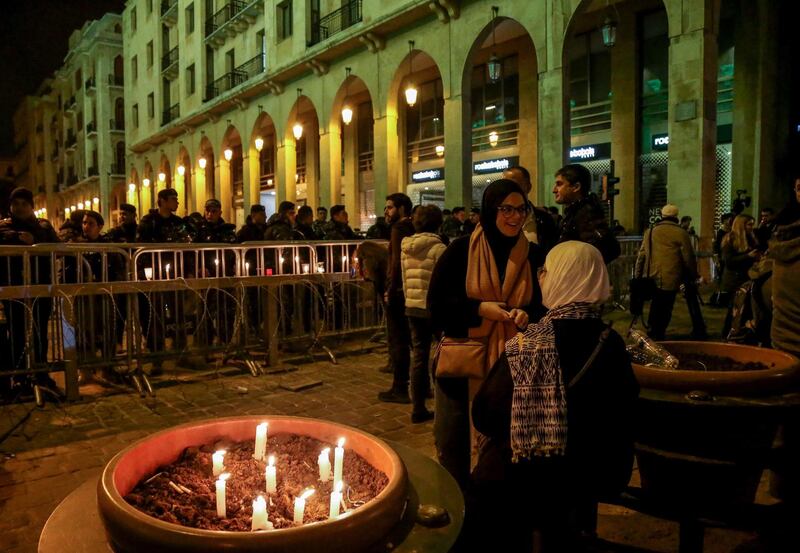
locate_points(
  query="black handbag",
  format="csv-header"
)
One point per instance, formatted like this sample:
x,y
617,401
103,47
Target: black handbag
x,y
643,289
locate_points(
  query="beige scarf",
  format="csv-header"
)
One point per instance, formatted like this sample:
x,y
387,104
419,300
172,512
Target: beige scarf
x,y
483,284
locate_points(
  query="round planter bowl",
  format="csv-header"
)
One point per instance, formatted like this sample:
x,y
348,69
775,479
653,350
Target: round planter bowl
x,y
130,530
782,375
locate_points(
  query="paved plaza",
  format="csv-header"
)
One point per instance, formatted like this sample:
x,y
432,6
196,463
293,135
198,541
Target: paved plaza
x,y
61,446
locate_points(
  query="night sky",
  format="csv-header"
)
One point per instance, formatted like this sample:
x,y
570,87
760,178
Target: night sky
x,y
33,44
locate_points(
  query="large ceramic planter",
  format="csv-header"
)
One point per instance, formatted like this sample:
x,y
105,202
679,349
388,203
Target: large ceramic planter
x,y
130,530
704,438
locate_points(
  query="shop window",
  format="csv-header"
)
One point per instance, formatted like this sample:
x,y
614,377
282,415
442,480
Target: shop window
x,y
494,103
426,118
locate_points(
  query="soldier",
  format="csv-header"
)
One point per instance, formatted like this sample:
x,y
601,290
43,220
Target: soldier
x,y
255,227
23,228
125,232
161,224
320,221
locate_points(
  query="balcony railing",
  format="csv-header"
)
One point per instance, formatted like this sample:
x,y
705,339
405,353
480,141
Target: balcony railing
x,y
116,80
71,141
500,135
590,118
117,169
169,12
169,64
425,149
335,22
89,84
170,114
241,74
70,104
115,125
92,172
223,15
72,180
91,128
233,18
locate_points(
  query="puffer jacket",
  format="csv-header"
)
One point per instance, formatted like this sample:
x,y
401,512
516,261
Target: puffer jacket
x,y
419,254
672,259
784,249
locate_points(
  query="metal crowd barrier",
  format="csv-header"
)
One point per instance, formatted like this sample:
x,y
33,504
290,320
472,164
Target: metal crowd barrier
x,y
129,307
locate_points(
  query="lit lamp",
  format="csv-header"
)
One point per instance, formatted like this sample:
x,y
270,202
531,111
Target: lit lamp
x,y
162,177
347,112
297,131
202,162
228,153
132,187
66,212
493,138
493,66
95,201
44,211
439,150
609,32
146,182
72,208
411,90
80,205
259,143
181,170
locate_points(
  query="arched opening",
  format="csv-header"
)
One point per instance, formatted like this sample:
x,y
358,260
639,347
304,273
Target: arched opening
x,y
618,102
118,77
119,159
303,133
419,96
232,175
205,173
119,114
263,144
501,82
352,123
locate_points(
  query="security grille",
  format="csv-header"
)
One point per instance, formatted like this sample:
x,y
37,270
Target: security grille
x,y
722,192
652,187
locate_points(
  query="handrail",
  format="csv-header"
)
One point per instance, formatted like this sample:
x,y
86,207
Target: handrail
x,y
234,78
223,15
335,22
169,59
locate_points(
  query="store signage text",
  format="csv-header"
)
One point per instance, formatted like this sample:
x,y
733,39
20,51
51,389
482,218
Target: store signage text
x,y
494,165
660,141
590,152
427,175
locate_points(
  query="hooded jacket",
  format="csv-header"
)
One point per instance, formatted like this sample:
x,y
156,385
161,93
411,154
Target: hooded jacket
x,y
784,249
418,257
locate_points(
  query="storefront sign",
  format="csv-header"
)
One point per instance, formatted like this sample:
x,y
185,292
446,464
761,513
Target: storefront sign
x,y
494,165
590,152
427,175
660,141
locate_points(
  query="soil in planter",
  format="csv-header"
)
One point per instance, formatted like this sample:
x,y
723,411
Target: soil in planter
x,y
716,363
184,492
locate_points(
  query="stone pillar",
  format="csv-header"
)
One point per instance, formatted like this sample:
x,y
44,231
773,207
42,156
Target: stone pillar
x,y
312,165
528,106
250,174
199,187
179,183
457,152
223,191
350,183
330,145
389,168
625,120
327,169
286,187
693,118
553,132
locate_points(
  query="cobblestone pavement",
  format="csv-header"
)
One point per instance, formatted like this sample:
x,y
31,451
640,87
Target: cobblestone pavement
x,y
61,446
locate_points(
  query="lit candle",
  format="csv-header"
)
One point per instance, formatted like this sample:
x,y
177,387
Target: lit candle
x,y
148,273
247,267
320,266
260,521
338,461
324,462
168,266
272,481
217,459
221,510
261,442
300,505
306,268
336,499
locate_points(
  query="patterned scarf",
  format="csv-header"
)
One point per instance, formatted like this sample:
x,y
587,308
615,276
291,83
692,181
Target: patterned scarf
x,y
539,402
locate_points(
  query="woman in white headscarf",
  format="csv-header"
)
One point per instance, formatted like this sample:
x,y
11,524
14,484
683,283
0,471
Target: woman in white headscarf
x,y
556,410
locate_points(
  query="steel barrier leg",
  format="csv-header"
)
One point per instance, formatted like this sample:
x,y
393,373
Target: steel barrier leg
x,y
70,357
271,324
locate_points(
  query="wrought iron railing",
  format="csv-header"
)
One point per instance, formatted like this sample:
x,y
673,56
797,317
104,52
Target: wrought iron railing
x,y
223,15
170,114
117,169
90,83
91,127
590,118
500,135
425,149
236,77
116,80
92,172
169,59
335,22
167,6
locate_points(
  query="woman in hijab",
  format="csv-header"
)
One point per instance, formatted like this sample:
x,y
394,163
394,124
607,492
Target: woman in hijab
x,y
483,286
556,411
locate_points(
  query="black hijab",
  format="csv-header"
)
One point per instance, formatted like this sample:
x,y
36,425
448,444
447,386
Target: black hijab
x,y
499,243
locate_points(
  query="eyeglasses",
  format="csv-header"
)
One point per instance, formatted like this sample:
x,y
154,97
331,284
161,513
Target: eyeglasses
x,y
509,210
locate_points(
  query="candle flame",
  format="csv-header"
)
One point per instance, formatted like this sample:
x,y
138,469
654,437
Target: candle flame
x,y
224,476
272,460
340,442
307,493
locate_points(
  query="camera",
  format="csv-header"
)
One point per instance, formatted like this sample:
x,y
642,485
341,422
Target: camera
x,y
741,202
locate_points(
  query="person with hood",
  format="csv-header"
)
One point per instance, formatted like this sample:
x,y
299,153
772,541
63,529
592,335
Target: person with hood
x,y
23,228
420,252
584,218
125,232
483,287
556,412
668,254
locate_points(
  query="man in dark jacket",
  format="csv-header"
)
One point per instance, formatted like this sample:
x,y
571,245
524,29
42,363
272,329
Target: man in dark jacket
x,y
255,227
320,222
303,226
161,224
280,225
338,228
21,229
453,226
539,227
397,214
125,232
584,218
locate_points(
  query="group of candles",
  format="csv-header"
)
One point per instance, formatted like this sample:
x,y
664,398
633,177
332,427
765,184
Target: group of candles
x,y
260,520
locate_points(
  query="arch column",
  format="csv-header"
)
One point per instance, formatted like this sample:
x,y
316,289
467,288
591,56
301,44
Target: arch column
x,y
528,105
350,183
199,181
387,167
457,151
313,163
333,145
251,173
327,169
693,114
179,183
553,131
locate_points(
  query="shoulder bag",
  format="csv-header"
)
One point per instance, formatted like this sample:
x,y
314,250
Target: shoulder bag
x,y
460,358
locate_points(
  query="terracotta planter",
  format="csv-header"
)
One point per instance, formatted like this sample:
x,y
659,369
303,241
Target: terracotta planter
x,y
131,530
704,438
782,375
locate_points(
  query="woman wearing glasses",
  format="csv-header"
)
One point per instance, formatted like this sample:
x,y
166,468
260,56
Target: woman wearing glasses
x,y
483,287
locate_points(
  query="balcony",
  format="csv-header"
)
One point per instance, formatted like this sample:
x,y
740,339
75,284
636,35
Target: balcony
x,y
71,142
92,172
240,75
72,180
116,80
71,104
235,17
336,22
117,170
116,126
91,129
89,85
169,64
169,12
170,114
